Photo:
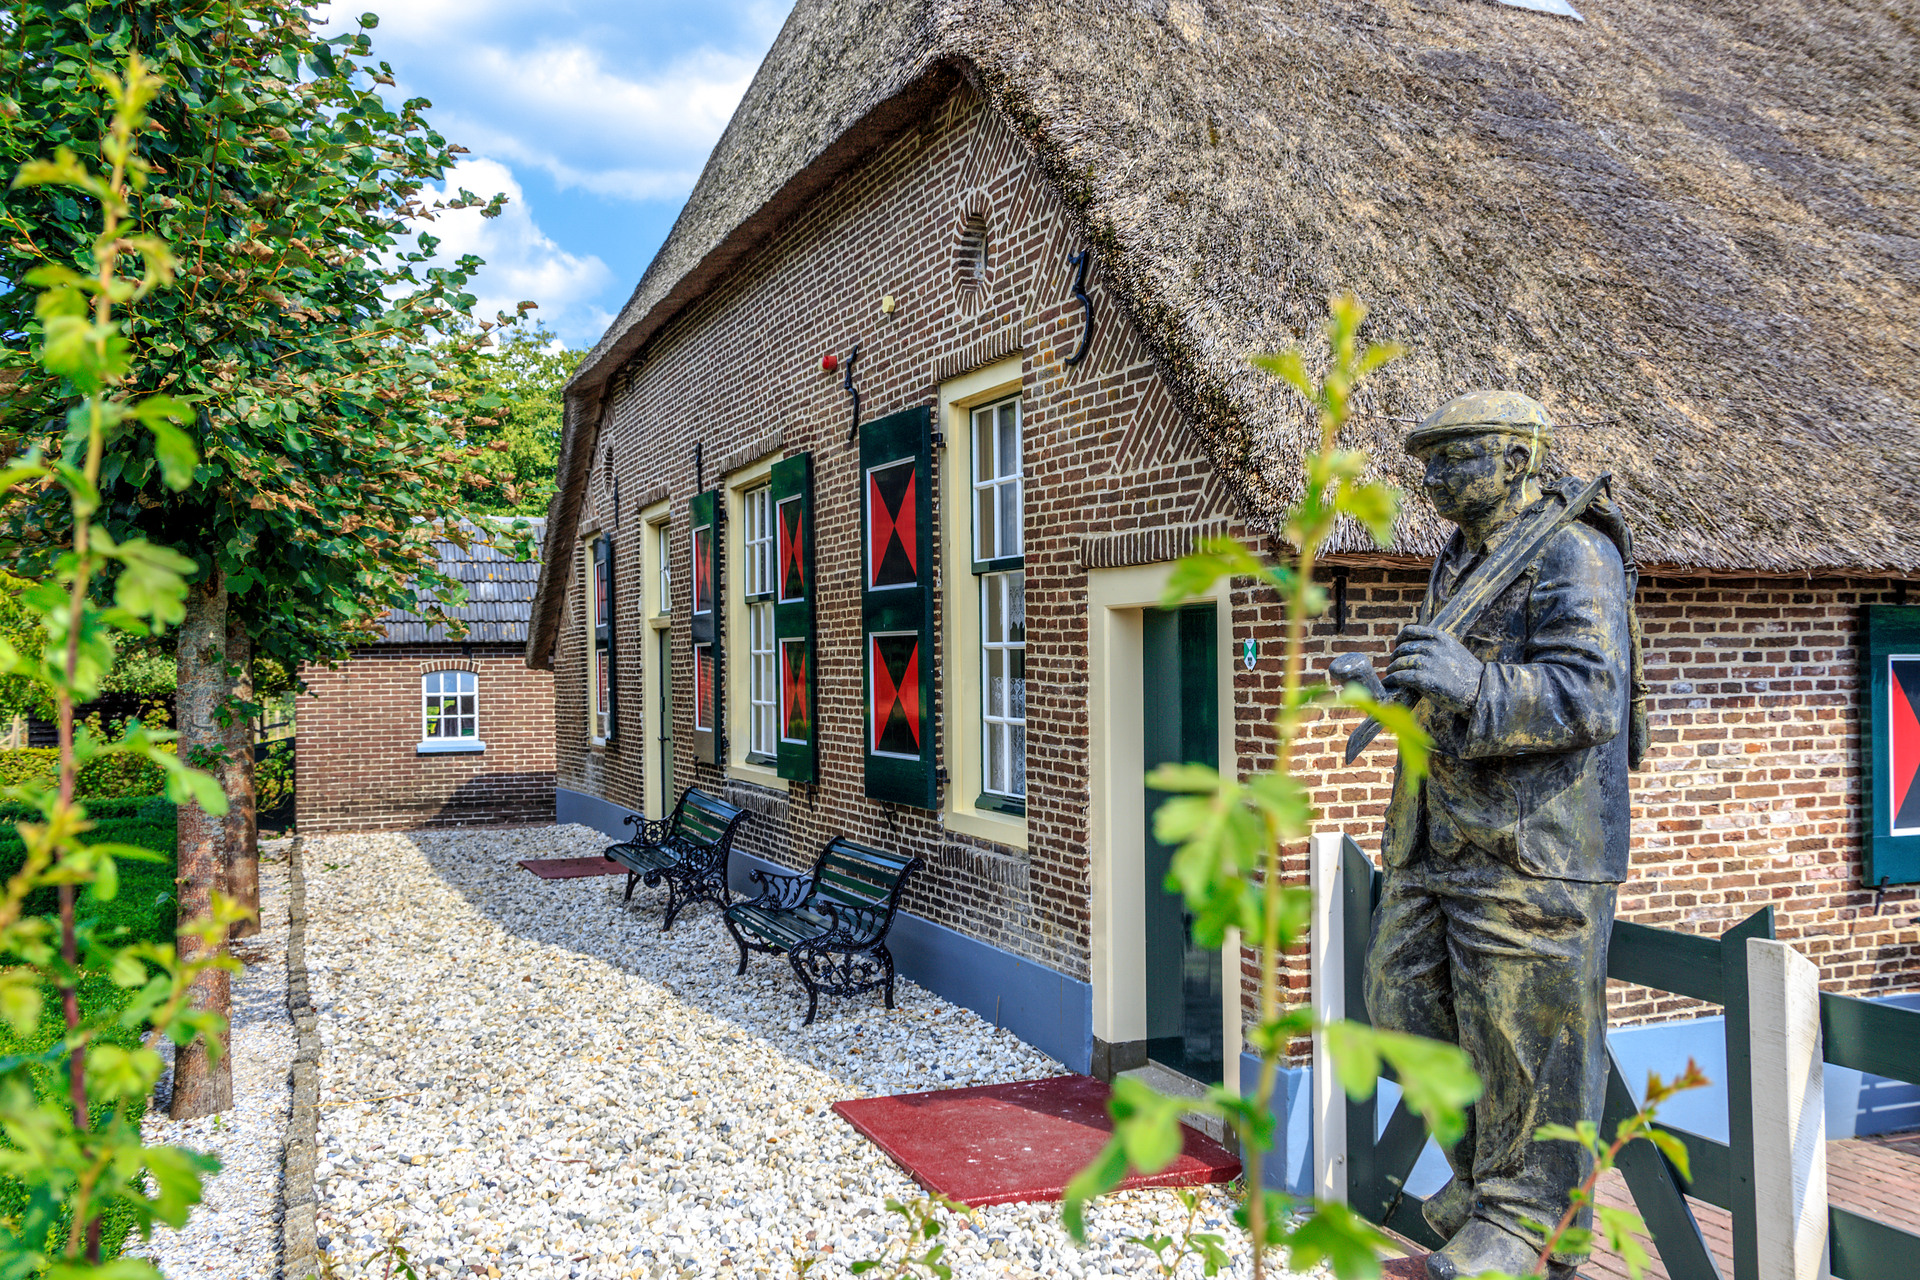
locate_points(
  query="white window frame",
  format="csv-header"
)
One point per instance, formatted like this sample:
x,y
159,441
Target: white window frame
x,y
970,808
1000,487
757,589
434,720
663,547
752,683
1002,731
598,717
998,483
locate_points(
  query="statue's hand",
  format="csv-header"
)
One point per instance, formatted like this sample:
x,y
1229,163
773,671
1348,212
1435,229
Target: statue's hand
x,y
1428,661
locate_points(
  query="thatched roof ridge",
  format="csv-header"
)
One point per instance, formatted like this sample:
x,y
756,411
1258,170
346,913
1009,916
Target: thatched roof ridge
x,y
1694,229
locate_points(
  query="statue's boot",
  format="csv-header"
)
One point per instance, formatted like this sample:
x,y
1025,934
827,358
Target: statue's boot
x,y
1479,1246
1448,1209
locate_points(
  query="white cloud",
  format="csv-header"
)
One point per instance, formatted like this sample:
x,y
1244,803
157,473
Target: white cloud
x,y
523,262
504,86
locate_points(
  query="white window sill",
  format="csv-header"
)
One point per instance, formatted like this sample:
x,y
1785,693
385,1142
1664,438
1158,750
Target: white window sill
x,y
451,746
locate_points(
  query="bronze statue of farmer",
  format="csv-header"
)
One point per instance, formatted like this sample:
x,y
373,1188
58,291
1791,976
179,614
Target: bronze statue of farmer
x,y
1501,868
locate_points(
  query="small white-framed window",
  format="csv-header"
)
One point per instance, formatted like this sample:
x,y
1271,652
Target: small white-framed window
x,y
664,549
757,588
999,531
450,711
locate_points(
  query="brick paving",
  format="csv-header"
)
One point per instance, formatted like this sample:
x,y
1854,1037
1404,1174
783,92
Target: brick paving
x,y
1878,1177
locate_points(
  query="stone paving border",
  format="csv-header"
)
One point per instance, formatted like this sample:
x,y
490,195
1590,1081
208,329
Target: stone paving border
x,y
299,1255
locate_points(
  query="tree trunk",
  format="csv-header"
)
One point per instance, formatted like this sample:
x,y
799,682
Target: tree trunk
x,y
236,779
202,1086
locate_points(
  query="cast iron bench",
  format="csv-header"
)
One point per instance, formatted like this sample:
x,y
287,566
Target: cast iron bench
x,y
832,923
688,850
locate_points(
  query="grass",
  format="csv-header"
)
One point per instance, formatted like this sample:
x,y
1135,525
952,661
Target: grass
x,y
144,908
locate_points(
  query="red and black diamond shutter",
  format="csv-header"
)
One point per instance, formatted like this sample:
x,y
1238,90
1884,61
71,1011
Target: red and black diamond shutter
x,y
709,667
793,615
896,606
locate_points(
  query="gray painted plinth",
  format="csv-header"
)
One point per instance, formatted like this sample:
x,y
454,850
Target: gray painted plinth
x,y
1048,1010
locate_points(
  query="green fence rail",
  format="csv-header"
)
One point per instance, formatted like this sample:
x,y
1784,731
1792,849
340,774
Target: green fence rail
x,y
1874,1038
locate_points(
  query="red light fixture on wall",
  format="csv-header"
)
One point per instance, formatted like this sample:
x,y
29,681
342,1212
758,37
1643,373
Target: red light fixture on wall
x,y
829,362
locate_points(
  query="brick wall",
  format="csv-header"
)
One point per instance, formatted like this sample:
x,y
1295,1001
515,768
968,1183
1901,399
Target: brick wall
x,y
360,724
1749,797
1106,452
1115,478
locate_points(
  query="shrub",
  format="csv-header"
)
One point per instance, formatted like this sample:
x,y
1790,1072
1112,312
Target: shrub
x,y
102,777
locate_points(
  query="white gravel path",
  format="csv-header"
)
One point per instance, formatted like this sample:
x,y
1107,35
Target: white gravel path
x,y
235,1232
521,1078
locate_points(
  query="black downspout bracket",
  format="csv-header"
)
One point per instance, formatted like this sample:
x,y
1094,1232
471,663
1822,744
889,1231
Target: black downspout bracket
x,y
853,432
1080,261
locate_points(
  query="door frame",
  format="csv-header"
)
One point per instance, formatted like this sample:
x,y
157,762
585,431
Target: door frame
x,y
1116,601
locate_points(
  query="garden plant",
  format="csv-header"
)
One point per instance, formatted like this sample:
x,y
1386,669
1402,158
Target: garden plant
x,y
70,1109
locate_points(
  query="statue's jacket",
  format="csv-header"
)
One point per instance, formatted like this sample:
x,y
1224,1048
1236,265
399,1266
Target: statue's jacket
x,y
1534,775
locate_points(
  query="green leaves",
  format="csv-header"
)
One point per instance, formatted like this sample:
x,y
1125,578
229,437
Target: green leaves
x,y
173,447
152,584
1336,1235
1437,1080
1416,746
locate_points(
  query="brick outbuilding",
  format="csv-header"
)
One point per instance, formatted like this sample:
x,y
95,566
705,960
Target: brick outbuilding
x,y
945,363
422,730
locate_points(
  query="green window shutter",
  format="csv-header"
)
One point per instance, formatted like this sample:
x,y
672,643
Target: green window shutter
x,y
1890,745
793,616
896,607
709,664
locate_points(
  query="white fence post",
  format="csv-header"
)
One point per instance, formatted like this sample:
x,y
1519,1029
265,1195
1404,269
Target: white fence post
x,y
1329,996
1789,1112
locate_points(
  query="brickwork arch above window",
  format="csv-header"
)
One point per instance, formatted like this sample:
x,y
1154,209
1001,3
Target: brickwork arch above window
x,y
449,664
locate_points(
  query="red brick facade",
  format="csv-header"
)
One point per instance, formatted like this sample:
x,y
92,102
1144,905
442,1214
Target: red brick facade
x,y
359,766
1749,798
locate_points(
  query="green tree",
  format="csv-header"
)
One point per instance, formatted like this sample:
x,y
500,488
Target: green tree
x,y
313,336
77,1149
513,405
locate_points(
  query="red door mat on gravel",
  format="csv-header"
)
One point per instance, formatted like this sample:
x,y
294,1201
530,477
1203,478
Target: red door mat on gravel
x,y
572,868
1004,1143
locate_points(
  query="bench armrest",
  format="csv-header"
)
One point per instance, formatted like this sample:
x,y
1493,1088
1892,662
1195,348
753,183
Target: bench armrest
x,y
653,831
779,890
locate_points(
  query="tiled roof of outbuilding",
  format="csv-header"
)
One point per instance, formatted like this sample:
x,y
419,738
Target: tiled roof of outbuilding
x,y
499,590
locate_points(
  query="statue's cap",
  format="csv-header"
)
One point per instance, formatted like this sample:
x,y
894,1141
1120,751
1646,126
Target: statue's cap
x,y
1482,413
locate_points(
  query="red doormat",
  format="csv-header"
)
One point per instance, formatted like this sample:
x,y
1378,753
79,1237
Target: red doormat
x,y
572,868
1004,1143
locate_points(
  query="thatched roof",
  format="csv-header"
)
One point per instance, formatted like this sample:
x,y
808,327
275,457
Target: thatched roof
x,y
1693,227
500,589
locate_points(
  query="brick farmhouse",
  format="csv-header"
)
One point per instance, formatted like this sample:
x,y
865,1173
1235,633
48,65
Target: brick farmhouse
x,y
423,730
869,492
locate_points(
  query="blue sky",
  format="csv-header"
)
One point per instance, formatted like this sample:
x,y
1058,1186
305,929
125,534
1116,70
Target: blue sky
x,y
594,116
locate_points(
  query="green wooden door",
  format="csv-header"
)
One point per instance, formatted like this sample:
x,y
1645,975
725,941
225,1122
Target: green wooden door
x,y
1181,699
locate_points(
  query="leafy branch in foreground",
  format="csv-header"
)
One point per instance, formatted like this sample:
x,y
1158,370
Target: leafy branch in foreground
x,y
78,1151
1231,836
1618,1226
